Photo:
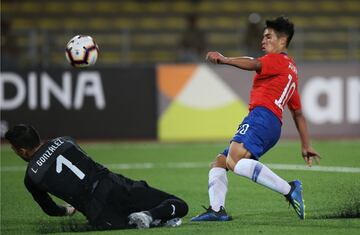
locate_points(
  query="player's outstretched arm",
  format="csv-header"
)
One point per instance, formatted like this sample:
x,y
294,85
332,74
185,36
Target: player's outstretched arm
x,y
308,153
45,201
244,62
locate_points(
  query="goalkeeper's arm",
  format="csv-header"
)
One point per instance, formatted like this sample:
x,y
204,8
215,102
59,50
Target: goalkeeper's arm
x,y
46,203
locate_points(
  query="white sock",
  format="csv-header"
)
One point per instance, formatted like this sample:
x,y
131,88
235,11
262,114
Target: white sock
x,y
259,173
217,187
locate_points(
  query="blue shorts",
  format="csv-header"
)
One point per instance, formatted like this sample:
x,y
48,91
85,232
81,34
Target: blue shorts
x,y
259,131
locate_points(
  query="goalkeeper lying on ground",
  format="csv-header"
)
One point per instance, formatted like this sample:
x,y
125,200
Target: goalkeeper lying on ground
x,y
108,200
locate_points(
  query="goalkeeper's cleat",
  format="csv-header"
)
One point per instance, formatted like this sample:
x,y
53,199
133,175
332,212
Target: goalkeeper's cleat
x,y
141,219
211,215
175,222
294,197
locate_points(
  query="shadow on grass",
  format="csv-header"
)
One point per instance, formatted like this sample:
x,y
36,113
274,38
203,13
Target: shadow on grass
x,y
342,213
64,226
70,226
348,209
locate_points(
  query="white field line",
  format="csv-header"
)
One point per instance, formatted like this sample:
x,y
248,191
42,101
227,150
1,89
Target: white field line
x,y
189,165
315,168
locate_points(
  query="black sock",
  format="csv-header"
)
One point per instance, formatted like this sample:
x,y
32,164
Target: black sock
x,y
169,209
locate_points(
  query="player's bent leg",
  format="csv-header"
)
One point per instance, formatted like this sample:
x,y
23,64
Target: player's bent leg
x,y
239,162
254,170
217,187
261,174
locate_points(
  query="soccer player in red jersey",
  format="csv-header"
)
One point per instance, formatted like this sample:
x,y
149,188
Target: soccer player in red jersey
x,y
275,85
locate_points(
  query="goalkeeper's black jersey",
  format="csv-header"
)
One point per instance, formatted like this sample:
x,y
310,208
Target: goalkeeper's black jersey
x,y
60,167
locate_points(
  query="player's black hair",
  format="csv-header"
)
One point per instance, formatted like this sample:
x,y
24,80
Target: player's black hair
x,y
282,26
23,136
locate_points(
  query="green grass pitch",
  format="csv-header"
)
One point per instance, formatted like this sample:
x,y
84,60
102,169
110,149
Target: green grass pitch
x,y
332,198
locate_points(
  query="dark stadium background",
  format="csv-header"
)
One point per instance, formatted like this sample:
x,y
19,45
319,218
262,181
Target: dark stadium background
x,y
135,37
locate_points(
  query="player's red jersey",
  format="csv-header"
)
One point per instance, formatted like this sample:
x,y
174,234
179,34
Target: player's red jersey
x,y
276,85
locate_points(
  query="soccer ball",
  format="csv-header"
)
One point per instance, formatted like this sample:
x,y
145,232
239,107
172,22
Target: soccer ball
x,y
81,51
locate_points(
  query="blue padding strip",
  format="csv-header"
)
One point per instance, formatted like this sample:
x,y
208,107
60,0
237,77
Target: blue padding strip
x,y
256,172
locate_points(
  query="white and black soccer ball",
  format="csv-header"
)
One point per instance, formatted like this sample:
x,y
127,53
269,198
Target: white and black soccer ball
x,y
82,51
